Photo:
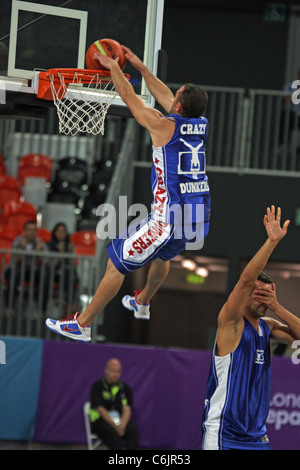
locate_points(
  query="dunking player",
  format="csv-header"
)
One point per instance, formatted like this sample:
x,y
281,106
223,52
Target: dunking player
x,y
179,184
238,389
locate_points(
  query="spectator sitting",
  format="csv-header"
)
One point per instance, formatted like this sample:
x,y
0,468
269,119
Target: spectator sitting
x,y
111,408
27,242
60,242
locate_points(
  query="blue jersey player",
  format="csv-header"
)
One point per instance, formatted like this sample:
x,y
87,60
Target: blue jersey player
x,y
180,214
238,388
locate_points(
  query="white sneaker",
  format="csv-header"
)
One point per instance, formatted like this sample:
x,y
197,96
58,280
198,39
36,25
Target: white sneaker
x,y
141,311
70,327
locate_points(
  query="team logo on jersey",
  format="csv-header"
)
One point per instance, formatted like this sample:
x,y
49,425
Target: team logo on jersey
x,y
191,162
260,356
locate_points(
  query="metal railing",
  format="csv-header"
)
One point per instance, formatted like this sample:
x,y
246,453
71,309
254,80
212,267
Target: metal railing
x,y
250,131
19,137
121,185
254,131
272,134
35,285
32,288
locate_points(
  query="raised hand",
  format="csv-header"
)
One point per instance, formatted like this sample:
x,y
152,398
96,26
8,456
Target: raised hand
x,y
272,224
104,60
132,58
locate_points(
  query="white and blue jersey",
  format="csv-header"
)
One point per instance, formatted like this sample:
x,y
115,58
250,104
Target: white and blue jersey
x,y
238,394
178,175
181,201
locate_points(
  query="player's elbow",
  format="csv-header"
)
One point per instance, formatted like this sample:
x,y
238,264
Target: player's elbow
x,y
246,280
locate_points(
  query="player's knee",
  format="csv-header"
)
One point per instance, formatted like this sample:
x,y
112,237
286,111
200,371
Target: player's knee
x,y
111,268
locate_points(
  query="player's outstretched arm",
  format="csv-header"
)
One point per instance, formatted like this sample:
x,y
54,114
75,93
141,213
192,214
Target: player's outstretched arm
x,y
157,88
146,116
160,128
231,315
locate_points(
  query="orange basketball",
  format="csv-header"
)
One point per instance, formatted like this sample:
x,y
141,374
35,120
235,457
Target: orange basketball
x,y
108,47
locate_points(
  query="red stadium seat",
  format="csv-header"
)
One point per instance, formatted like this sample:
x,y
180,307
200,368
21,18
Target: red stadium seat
x,y
9,189
16,213
44,234
84,242
34,165
84,237
87,250
8,233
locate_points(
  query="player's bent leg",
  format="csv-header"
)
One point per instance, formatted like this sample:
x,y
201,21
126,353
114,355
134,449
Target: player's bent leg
x,y
78,326
140,302
106,291
158,271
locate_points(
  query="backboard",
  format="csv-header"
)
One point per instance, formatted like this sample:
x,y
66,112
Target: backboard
x,y
37,36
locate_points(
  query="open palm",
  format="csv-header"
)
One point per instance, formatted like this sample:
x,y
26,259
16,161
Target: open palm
x,y
272,224
105,60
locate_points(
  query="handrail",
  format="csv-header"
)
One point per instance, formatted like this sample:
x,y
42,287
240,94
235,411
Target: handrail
x,y
121,184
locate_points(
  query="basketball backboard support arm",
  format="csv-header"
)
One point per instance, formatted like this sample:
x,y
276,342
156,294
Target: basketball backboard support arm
x,y
162,65
153,40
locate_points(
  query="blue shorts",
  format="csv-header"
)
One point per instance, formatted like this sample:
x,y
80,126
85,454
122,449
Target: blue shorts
x,y
151,239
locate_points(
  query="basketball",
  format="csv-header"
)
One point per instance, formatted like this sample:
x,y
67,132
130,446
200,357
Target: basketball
x,y
108,47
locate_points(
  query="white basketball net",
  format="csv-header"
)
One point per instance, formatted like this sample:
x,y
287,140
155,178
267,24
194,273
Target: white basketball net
x,y
82,108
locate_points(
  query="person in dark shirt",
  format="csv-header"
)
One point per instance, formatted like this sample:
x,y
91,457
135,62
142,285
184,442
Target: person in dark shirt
x,y
26,267
65,273
111,410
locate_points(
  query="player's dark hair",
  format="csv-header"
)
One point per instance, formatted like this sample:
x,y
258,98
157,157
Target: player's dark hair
x,y
193,100
265,278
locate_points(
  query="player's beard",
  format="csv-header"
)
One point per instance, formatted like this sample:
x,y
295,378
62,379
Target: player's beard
x,y
260,310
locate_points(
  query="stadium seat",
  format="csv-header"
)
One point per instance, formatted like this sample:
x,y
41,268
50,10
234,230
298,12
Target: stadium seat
x,y
8,233
84,237
85,250
84,242
64,191
34,165
44,234
9,190
16,213
71,169
89,208
95,196
104,168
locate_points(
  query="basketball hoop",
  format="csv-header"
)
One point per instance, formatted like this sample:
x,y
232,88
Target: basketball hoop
x,y
82,98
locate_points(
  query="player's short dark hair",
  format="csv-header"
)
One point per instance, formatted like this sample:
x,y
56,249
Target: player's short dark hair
x,y
193,100
265,278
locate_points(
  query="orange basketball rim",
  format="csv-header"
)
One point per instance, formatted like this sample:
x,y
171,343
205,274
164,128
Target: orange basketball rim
x,y
68,75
